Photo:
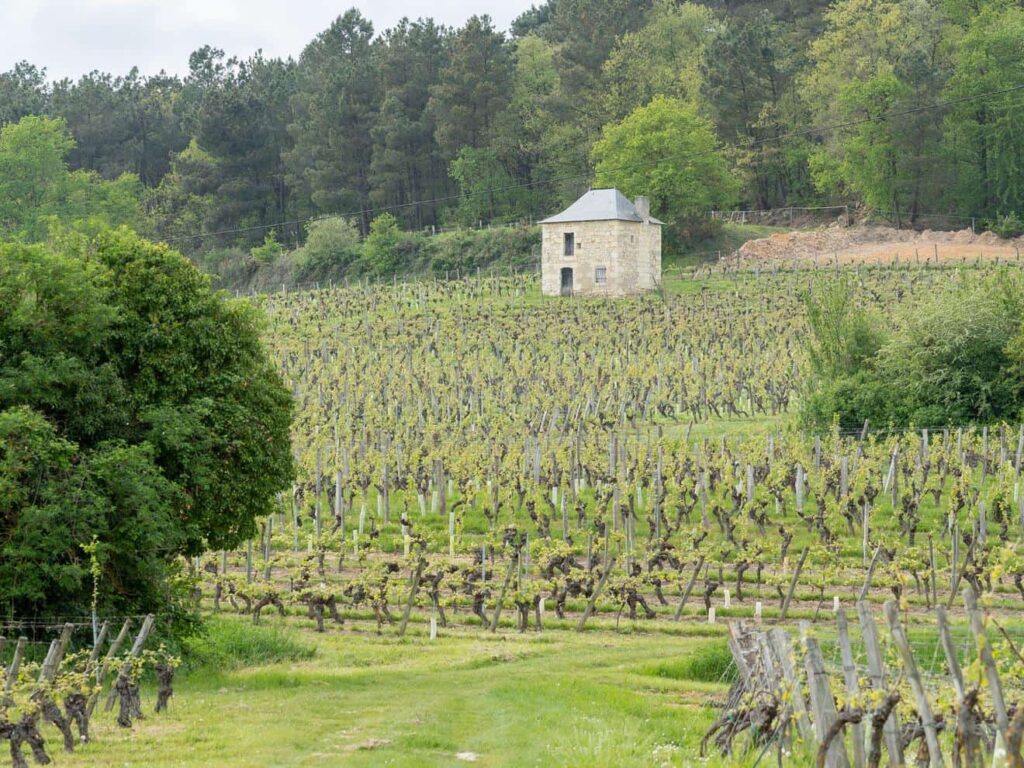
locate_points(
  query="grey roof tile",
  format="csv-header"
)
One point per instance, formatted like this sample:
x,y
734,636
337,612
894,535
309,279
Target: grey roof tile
x,y
599,205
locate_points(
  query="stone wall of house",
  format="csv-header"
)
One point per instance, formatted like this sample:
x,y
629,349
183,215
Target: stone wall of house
x,y
649,263
625,249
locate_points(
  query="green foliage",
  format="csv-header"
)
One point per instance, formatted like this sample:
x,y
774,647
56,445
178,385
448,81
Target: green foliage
x,y
512,248
380,251
473,88
1010,225
407,163
844,337
877,57
332,245
668,151
334,103
138,412
749,85
37,190
269,251
665,58
225,645
486,190
948,359
983,138
951,358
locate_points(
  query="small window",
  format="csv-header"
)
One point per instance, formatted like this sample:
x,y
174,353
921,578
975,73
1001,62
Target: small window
x,y
601,275
570,243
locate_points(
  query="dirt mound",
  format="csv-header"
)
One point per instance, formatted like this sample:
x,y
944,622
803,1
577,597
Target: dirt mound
x,y
877,244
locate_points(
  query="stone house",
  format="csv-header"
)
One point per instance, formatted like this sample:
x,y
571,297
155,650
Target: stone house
x,y
601,245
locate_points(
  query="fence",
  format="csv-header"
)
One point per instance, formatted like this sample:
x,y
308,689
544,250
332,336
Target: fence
x,y
774,673
796,217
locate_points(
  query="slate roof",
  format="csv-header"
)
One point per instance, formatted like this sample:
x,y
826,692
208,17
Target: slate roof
x,y
599,205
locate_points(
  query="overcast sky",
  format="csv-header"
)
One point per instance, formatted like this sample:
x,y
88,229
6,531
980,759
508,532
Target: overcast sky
x,y
72,37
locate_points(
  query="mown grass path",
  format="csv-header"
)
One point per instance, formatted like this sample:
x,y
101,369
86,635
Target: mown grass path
x,y
549,699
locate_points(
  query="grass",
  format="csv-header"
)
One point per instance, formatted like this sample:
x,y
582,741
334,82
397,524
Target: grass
x,y
539,699
228,645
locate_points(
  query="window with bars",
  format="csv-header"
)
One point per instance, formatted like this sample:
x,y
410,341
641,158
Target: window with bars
x,y
601,275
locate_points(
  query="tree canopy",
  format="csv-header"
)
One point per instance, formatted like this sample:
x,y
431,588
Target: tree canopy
x,y
907,109
137,409
668,151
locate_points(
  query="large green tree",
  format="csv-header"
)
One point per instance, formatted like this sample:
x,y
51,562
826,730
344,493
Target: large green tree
x,y
474,87
335,108
878,64
983,135
668,151
239,120
37,190
407,165
23,92
663,58
137,409
749,71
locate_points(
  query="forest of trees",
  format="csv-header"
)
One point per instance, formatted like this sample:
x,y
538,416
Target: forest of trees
x,y
440,127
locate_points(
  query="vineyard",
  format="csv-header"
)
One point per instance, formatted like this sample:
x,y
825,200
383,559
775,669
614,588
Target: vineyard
x,y
481,466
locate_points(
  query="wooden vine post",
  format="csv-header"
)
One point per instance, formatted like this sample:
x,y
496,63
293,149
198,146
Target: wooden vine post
x,y
876,674
793,583
101,671
924,709
593,597
995,687
140,640
780,645
12,671
689,588
824,706
512,566
852,684
414,587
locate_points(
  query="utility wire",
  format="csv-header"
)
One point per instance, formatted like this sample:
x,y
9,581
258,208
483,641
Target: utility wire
x,y
821,129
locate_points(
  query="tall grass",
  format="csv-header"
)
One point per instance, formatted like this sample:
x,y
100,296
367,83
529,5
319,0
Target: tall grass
x,y
227,644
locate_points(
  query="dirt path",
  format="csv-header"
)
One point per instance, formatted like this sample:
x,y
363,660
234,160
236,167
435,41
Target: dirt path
x,y
869,244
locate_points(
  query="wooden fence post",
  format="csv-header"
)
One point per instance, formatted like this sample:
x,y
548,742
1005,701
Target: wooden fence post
x,y
876,674
995,687
780,644
924,709
824,705
852,685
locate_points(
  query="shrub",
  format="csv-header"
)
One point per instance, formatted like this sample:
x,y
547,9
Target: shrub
x,y
380,251
332,246
1008,225
956,357
268,252
464,250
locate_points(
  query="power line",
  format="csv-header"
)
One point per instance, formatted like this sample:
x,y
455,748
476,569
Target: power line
x,y
590,174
